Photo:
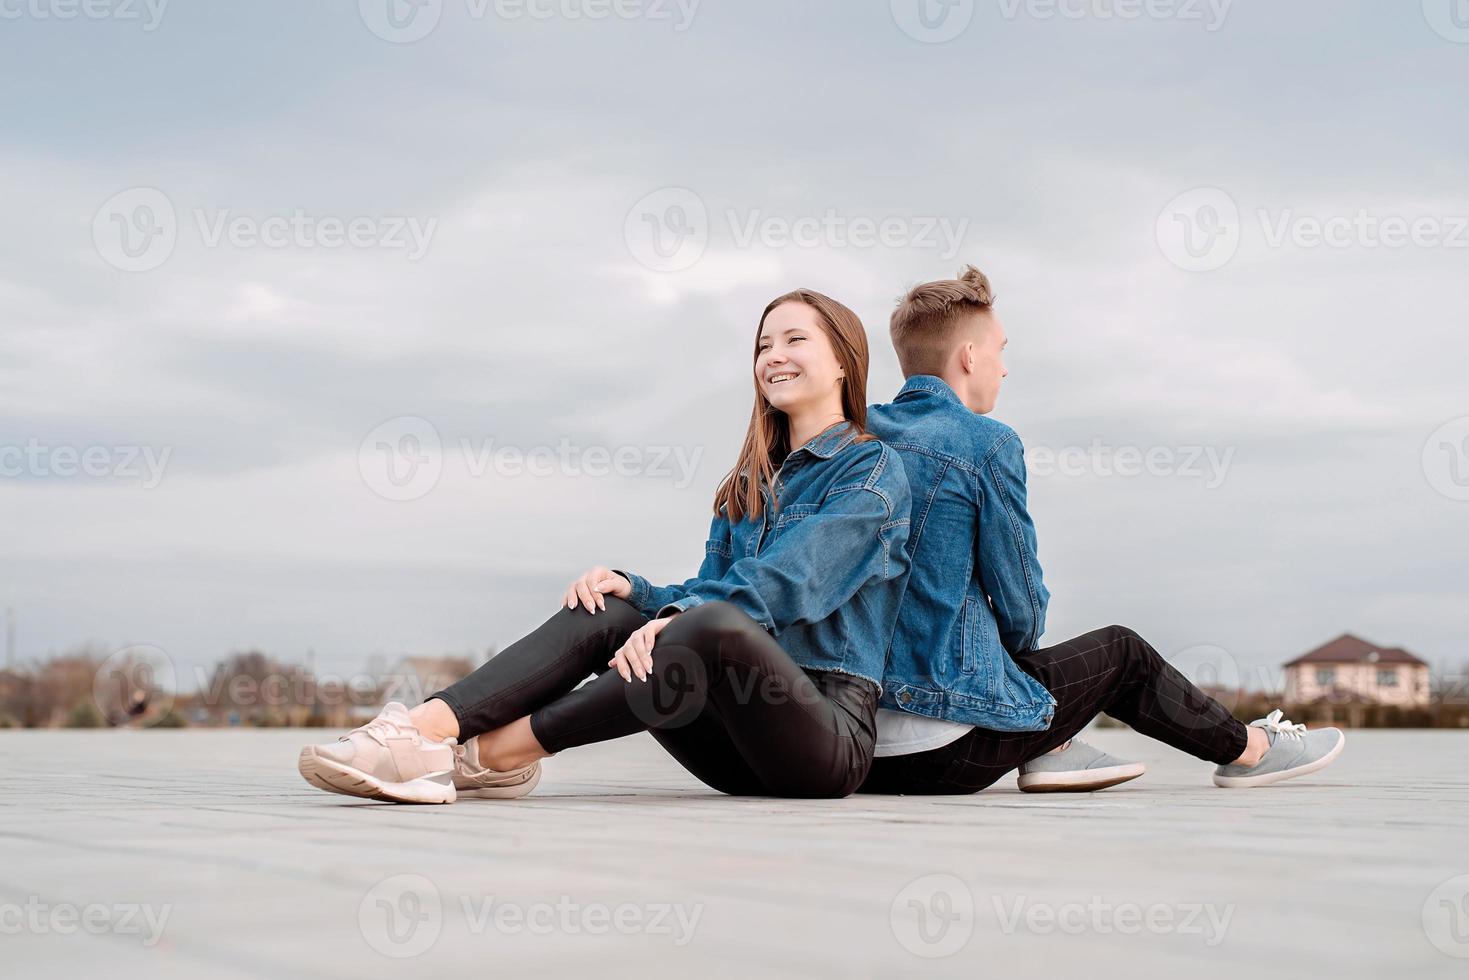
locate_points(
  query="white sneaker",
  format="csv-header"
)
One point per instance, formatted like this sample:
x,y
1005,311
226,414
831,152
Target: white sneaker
x,y
385,759
471,780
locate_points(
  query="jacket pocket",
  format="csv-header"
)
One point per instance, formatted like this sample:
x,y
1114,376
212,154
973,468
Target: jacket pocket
x,y
970,636
792,513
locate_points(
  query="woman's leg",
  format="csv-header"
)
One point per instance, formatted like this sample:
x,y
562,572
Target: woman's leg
x,y
532,672
732,707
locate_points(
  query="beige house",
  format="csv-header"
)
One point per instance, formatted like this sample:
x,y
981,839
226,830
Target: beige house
x,y
1351,669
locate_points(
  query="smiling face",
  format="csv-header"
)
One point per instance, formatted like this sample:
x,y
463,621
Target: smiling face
x,y
795,366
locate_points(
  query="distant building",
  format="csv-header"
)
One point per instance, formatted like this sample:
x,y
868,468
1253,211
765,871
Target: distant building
x,y
1350,669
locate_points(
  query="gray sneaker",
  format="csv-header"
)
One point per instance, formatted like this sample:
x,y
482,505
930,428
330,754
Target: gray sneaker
x,y
474,781
1076,767
1293,752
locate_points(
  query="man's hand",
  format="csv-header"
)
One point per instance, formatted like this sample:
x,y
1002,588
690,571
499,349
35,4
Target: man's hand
x,y
636,655
590,588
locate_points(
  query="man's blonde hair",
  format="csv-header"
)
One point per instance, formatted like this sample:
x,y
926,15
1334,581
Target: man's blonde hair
x,y
926,323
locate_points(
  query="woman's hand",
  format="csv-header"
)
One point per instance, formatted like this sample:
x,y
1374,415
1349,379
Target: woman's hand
x,y
636,655
591,587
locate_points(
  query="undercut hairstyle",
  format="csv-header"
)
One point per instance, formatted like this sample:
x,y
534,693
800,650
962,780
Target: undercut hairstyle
x,y
925,326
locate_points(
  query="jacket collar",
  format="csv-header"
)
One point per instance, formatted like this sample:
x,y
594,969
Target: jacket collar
x,y
929,384
829,441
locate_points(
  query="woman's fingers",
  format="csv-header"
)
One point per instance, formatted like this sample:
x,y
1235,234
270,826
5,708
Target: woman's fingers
x,y
619,663
585,592
635,656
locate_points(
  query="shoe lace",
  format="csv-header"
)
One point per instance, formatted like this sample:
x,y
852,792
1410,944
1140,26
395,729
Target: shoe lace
x,y
379,729
1281,726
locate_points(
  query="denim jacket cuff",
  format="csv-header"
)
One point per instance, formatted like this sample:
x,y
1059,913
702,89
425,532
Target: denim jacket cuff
x,y
682,605
641,589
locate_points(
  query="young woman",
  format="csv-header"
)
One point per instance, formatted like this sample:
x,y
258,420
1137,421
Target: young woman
x,y
760,674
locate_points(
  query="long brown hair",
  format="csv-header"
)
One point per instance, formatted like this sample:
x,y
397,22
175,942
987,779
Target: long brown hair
x,y
768,441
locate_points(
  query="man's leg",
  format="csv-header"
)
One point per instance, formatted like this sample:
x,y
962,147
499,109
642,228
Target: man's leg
x,y
1110,670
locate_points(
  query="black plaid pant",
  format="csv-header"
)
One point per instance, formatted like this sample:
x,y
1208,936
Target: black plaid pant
x,y
1110,670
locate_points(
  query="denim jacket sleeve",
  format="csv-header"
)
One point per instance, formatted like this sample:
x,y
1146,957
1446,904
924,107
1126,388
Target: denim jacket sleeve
x,y
649,598
858,535
1009,568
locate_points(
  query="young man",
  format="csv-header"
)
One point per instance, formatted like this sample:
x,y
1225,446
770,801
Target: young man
x,y
967,694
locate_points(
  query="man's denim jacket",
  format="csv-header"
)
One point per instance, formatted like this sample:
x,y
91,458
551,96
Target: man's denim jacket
x,y
974,592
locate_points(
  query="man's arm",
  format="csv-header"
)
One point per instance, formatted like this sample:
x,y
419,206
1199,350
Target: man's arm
x,y
1005,547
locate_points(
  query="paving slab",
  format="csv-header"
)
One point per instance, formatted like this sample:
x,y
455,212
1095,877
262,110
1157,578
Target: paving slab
x,y
201,853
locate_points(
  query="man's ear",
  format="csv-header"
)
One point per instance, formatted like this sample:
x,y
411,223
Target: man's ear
x,y
966,357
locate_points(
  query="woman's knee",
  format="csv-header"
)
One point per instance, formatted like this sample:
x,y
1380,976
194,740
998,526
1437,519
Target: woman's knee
x,y
711,621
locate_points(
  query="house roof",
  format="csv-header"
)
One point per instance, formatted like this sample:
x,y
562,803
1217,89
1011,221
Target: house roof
x,y
1349,649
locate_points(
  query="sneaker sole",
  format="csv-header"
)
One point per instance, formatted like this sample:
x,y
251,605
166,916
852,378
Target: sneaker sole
x,y
510,791
1080,781
334,777
1245,782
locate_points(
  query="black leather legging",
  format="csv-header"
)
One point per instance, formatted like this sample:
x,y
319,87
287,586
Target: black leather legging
x,y
722,698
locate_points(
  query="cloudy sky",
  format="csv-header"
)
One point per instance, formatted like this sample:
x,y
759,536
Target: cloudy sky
x,y
360,328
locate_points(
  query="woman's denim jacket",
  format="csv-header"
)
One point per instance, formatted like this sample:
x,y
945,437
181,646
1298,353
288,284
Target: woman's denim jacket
x,y
825,570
